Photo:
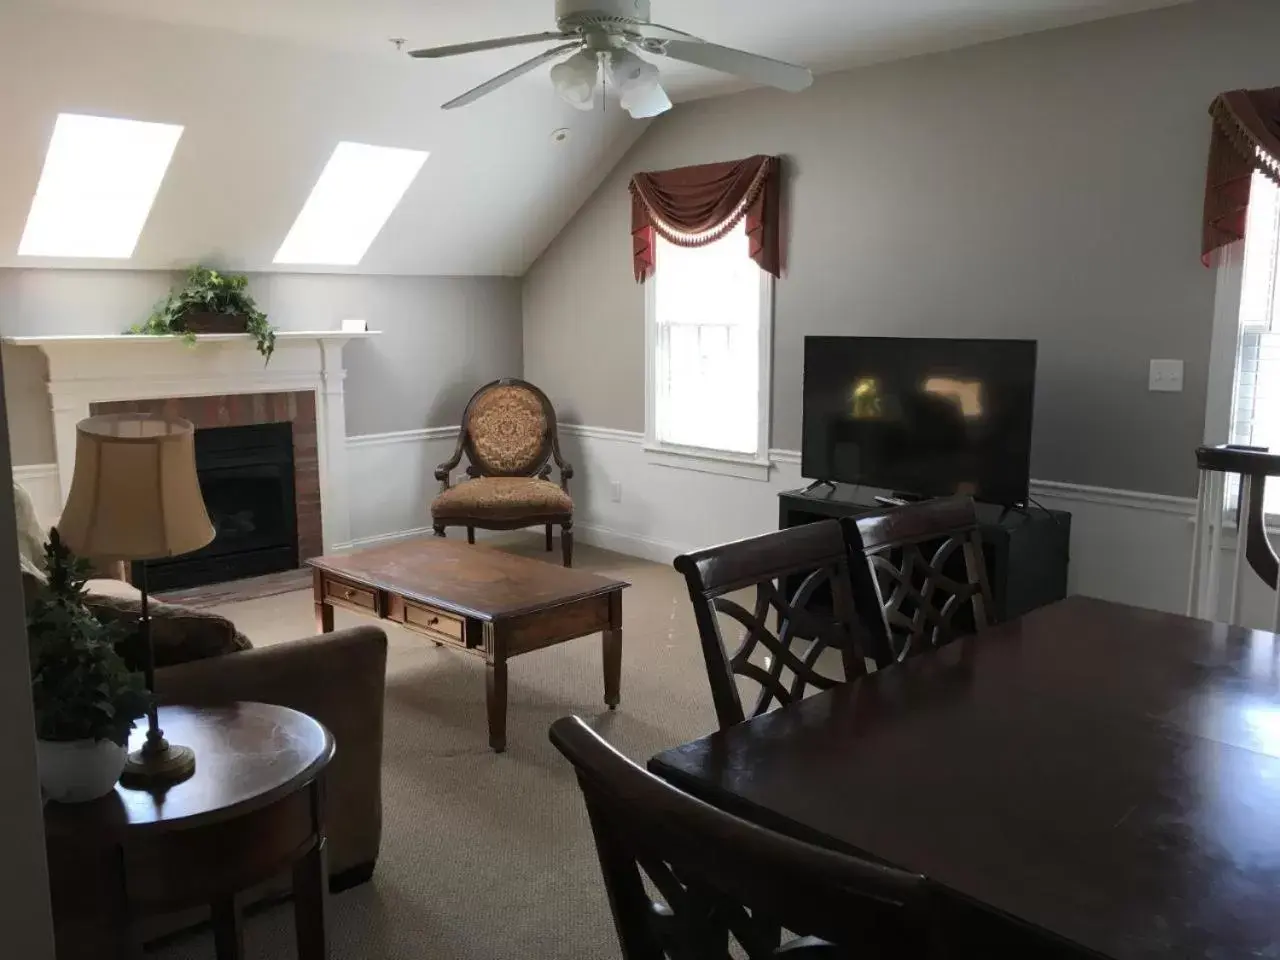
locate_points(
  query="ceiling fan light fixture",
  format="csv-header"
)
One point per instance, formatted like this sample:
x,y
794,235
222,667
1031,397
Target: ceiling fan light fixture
x,y
607,35
639,85
629,72
575,79
644,104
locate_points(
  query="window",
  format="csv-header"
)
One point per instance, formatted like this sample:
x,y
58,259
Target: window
x,y
709,316
100,178
357,191
1255,407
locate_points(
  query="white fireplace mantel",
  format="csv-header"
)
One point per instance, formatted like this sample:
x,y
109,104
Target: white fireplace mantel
x,y
89,369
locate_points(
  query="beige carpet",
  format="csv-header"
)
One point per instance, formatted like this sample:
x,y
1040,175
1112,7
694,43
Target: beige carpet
x,y
487,856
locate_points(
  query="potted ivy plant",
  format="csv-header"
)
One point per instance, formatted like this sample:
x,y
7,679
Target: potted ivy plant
x,y
86,698
210,302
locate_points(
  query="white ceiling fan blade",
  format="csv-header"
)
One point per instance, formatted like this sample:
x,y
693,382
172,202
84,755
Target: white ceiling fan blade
x,y
658,32
749,66
502,79
458,48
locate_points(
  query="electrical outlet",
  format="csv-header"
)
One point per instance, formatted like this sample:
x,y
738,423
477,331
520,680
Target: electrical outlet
x,y
615,491
1166,376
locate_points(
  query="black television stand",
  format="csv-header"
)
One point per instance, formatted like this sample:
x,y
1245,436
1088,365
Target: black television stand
x,y
1027,552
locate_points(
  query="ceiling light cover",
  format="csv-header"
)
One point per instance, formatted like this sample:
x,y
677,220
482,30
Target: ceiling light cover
x,y
575,79
99,182
638,84
648,103
357,191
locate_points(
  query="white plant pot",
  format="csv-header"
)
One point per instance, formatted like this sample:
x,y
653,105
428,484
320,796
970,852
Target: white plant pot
x,y
74,771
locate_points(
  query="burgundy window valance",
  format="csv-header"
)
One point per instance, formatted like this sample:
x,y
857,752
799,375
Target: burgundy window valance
x,y
1246,138
695,206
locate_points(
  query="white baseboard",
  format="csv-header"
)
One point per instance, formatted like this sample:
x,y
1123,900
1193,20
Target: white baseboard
x,y
401,535
633,545
383,538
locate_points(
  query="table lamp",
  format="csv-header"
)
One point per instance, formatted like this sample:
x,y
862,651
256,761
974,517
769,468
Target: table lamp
x,y
135,495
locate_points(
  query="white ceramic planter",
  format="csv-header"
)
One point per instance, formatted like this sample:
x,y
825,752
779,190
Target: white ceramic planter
x,y
78,770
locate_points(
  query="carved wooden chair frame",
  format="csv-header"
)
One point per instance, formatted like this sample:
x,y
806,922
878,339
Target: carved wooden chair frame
x,y
718,877
543,461
817,553
893,574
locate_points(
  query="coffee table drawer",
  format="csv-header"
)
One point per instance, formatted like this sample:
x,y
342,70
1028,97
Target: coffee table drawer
x,y
437,623
350,595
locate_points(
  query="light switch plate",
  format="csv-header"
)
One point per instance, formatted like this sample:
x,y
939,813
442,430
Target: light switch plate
x,y
1166,376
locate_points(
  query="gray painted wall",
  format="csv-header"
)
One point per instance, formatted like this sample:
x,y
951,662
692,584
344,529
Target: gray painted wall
x,y
442,337
1047,186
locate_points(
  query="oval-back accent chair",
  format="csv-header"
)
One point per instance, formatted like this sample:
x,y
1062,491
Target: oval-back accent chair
x,y
510,439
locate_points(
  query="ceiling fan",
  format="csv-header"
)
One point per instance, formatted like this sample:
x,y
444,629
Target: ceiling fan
x,y
606,36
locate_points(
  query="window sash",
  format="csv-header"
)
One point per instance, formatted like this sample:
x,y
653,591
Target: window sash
x,y
708,348
708,376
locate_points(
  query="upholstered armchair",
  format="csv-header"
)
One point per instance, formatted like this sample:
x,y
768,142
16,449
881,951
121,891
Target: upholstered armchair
x,y
509,436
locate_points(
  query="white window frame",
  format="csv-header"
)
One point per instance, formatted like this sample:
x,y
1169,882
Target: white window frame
x,y
1224,351
705,459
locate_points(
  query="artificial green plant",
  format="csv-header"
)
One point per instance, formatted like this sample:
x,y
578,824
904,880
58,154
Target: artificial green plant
x,y
209,291
81,687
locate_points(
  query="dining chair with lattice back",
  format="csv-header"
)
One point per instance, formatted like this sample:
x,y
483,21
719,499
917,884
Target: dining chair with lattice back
x,y
510,438
720,879
919,577
816,618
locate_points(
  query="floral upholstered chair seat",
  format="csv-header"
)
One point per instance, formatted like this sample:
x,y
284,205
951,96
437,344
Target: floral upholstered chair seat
x,y
510,440
506,498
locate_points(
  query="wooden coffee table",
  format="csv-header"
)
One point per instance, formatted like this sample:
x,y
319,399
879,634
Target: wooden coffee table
x,y
485,602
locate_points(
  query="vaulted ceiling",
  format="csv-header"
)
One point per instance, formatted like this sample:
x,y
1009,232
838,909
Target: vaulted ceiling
x,y
265,90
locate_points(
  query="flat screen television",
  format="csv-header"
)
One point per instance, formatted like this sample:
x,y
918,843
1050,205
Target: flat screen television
x,y
920,417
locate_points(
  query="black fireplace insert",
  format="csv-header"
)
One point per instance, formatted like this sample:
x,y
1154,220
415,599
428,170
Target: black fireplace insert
x,y
246,476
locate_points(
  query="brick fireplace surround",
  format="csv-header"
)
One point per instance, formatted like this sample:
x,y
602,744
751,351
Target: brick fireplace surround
x,y
244,409
221,380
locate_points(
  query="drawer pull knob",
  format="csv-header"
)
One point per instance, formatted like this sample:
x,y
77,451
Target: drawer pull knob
x,y
349,593
433,621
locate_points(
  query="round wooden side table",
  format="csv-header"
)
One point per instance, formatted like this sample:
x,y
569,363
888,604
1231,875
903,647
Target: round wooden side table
x,y
253,810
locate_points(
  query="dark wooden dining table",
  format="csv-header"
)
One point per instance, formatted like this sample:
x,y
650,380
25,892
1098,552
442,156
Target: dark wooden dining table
x,y
1102,779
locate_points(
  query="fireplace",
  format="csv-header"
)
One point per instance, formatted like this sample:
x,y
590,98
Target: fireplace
x,y
247,478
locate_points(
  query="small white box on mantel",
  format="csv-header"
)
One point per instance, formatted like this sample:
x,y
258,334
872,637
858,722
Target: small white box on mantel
x,y
354,325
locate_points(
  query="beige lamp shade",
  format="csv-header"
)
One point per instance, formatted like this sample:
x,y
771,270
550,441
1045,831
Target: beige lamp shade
x,y
135,494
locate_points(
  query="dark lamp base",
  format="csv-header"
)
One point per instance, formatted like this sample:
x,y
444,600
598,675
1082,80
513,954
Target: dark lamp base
x,y
158,768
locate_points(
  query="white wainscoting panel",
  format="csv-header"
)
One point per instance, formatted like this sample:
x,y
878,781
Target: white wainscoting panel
x,y
1126,545
392,482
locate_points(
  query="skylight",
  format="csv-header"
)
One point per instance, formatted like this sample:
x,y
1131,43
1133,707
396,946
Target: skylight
x,y
100,178
356,192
